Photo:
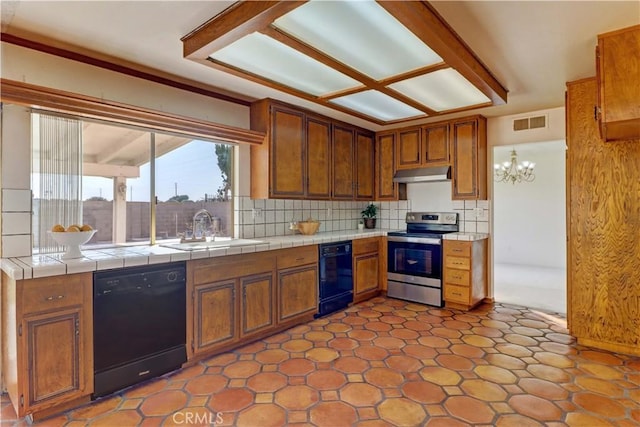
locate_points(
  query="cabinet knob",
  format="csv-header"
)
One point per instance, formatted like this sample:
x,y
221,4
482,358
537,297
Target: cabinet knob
x,y
54,297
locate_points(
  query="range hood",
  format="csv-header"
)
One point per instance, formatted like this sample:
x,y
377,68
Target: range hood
x,y
431,174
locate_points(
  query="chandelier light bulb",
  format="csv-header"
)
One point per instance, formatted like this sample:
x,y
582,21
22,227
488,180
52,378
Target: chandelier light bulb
x,y
512,171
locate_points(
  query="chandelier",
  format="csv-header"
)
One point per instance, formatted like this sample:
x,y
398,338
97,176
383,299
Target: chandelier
x,y
513,171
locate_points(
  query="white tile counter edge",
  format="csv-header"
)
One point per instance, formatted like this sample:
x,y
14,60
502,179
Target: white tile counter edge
x,y
465,236
127,256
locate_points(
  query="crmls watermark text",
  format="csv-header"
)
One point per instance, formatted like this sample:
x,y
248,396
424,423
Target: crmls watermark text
x,y
199,418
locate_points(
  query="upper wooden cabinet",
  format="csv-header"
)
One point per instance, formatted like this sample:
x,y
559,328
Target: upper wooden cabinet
x,y
318,158
386,189
408,148
618,77
435,144
365,166
343,163
308,156
423,146
469,157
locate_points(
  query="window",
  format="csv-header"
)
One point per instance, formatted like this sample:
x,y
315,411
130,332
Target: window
x,y
118,185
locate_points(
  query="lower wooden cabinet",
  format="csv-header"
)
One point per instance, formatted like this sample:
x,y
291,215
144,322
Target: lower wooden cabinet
x,y
297,283
465,273
240,298
366,268
48,342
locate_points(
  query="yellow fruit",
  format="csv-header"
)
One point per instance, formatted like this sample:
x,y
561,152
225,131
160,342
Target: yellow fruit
x,y
86,227
73,228
57,228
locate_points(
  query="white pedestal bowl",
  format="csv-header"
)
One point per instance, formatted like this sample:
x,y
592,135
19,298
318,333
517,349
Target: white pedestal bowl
x,y
72,240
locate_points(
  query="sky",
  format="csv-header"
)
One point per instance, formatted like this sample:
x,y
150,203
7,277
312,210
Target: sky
x,y
193,168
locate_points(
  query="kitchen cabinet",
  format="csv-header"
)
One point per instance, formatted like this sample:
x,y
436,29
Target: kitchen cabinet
x,y
409,151
365,166
618,77
603,267
435,144
343,163
231,301
385,168
465,273
297,283
318,155
366,268
48,342
257,307
469,158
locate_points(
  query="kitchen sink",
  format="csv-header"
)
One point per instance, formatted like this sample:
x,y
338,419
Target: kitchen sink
x,y
218,243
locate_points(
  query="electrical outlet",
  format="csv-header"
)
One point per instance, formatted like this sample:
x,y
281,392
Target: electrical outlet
x,y
256,213
328,213
477,212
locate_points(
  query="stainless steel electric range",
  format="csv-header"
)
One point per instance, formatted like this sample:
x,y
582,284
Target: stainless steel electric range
x,y
415,257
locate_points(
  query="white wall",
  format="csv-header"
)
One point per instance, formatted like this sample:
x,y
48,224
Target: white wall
x,y
529,218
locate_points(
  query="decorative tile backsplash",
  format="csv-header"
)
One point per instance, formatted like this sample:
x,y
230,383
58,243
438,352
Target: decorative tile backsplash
x,y
16,222
268,217
473,215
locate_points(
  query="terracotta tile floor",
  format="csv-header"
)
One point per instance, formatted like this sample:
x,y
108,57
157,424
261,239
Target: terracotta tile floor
x,y
394,363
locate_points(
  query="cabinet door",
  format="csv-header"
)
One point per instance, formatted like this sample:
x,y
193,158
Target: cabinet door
x,y
297,292
257,302
215,315
469,176
54,350
386,189
318,158
408,148
435,145
365,273
365,158
287,153
618,76
343,163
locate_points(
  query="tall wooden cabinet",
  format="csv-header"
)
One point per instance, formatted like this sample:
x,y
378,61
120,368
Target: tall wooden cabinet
x,y
48,341
618,78
469,157
603,201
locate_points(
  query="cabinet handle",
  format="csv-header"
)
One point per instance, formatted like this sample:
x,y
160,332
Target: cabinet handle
x,y
457,294
54,297
300,259
456,250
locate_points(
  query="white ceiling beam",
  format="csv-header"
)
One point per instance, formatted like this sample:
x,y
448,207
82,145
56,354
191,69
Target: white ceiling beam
x,y
110,171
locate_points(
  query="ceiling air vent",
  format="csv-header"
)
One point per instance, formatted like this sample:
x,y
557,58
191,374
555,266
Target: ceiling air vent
x,y
530,123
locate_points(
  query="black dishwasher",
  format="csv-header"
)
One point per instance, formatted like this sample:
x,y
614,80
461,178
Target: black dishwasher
x,y
139,324
336,277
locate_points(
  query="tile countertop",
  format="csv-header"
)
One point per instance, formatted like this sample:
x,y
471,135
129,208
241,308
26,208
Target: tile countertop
x,y
465,236
128,256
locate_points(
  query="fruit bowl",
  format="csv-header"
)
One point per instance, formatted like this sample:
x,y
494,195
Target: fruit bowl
x,y
72,241
308,227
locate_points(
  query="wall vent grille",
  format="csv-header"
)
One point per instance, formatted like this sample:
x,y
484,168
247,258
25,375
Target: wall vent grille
x,y
535,122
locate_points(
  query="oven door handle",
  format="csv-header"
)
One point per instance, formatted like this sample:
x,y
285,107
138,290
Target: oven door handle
x,y
423,240
411,261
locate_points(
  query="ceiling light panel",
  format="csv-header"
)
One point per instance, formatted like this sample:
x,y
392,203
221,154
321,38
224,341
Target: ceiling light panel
x,y
441,90
360,34
378,105
268,58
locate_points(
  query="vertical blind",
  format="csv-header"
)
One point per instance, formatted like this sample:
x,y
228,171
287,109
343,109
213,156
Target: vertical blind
x,y
58,159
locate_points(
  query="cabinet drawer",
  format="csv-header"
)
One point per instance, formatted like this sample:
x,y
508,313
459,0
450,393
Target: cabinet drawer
x,y
458,277
298,256
457,248
455,293
457,262
48,293
363,246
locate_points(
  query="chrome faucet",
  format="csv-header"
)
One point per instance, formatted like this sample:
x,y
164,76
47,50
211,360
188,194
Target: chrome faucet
x,y
196,219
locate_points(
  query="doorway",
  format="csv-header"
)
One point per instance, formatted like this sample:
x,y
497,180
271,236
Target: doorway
x,y
529,231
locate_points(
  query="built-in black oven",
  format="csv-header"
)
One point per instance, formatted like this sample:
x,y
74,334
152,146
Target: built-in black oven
x,y
414,261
